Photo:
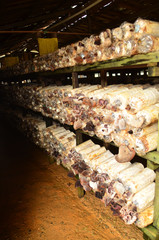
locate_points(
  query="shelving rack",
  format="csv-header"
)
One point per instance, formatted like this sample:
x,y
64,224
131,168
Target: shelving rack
x,y
148,61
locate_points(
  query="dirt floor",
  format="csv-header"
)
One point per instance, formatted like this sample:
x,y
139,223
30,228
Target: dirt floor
x,y
39,201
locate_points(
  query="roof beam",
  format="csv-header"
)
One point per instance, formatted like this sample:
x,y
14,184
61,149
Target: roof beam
x,y
77,13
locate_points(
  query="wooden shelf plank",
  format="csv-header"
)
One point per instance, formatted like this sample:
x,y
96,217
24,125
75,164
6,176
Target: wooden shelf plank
x,y
136,61
151,232
152,156
152,165
140,60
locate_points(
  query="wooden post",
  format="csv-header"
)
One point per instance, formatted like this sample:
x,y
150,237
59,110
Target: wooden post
x,y
146,237
79,140
156,201
153,71
79,137
158,136
103,78
75,82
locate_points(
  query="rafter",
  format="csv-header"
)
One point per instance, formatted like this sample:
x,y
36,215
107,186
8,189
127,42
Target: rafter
x,y
76,14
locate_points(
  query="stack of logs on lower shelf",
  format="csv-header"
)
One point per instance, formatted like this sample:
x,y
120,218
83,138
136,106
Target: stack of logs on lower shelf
x,y
128,188
124,114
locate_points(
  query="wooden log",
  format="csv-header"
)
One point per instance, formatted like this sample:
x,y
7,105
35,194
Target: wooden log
x,y
147,43
145,218
143,26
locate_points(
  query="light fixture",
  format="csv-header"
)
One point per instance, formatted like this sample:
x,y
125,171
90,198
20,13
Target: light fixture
x,y
74,6
1,56
34,51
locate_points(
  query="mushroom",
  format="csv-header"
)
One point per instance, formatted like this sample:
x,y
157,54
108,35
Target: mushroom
x,y
125,154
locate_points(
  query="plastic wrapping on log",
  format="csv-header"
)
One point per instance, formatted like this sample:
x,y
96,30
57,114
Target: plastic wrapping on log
x,y
143,26
148,43
145,218
139,202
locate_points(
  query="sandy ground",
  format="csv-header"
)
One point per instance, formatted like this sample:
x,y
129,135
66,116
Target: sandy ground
x,y
39,201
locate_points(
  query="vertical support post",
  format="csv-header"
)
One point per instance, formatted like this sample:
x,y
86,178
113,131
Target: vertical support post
x,y
103,78
75,82
156,201
158,136
146,237
79,138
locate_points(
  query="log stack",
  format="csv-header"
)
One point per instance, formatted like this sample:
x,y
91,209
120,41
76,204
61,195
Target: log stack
x,y
128,188
124,114
58,142
127,40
